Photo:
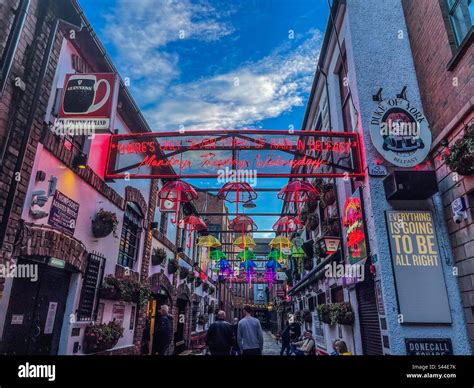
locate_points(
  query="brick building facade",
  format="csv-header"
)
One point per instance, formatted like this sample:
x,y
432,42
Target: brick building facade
x,y
441,38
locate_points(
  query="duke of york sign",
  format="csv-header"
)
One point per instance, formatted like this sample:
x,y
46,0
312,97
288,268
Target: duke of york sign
x,y
400,132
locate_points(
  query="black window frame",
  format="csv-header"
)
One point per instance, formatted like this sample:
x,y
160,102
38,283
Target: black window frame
x,y
130,237
452,6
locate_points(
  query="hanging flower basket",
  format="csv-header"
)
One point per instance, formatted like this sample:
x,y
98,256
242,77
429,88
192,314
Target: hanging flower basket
x,y
312,205
345,314
190,278
324,313
183,273
331,228
312,222
173,266
104,223
102,337
126,289
460,157
158,256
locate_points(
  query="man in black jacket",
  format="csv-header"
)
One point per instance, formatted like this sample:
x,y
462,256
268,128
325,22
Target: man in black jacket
x,y
220,336
163,330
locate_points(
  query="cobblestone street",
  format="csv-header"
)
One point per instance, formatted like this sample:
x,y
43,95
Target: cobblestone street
x,y
270,346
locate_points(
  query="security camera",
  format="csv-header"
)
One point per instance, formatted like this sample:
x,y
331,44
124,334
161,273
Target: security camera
x,y
458,217
458,207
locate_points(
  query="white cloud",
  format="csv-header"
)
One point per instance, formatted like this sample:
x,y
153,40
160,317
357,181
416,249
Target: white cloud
x,y
242,97
141,30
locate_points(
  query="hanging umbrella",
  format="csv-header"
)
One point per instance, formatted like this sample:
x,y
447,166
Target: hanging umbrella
x,y
243,224
208,241
286,224
177,192
217,255
244,242
192,223
297,252
247,264
237,192
280,242
298,192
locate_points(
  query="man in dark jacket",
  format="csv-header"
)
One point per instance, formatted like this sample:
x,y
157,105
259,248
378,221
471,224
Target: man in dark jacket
x,y
285,340
220,336
163,330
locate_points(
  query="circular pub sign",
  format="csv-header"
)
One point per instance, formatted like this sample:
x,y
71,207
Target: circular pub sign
x,y
400,132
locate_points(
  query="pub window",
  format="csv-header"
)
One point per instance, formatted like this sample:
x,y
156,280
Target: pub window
x,y
321,298
345,94
311,303
461,15
164,223
337,295
130,238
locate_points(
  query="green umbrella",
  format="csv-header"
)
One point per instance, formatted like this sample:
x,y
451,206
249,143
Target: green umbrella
x,y
274,254
297,252
246,255
217,254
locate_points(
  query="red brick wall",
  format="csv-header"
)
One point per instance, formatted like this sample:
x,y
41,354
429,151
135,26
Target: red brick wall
x,y
446,93
430,36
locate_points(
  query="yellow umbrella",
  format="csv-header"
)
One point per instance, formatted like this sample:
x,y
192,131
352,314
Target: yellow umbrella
x,y
280,242
208,241
244,242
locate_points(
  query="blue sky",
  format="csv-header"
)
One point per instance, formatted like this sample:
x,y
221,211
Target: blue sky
x,y
215,64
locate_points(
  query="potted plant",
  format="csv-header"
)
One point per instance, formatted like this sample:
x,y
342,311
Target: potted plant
x,y
307,317
312,222
101,337
197,281
323,313
173,266
183,272
110,289
328,194
190,278
345,315
460,157
158,256
104,223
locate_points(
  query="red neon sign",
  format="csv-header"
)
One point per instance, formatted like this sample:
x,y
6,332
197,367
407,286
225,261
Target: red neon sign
x,y
200,154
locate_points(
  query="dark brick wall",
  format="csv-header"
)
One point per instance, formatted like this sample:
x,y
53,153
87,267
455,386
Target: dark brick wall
x,y
447,97
443,92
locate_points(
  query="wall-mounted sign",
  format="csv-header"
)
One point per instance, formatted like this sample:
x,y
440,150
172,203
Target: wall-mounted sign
x,y
377,170
211,154
379,298
400,132
63,213
419,278
88,100
354,229
50,317
428,346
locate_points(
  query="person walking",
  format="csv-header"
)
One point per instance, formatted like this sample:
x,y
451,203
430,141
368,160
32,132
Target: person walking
x,y
285,340
163,330
220,336
235,351
249,334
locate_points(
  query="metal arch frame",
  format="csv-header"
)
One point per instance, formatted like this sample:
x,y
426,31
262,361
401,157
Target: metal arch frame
x,y
357,172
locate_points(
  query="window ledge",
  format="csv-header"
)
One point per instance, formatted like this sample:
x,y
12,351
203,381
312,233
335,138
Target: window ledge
x,y
463,47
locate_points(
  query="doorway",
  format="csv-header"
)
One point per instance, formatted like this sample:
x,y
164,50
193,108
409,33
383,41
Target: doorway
x,y
154,306
36,311
179,338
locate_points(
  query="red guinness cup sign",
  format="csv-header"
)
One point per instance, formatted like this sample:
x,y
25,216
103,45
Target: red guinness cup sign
x,y
88,100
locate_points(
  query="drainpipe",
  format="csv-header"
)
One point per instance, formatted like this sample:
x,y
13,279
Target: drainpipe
x,y
29,122
12,43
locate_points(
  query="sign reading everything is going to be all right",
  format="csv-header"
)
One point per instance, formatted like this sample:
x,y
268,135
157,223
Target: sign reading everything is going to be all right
x,y
417,266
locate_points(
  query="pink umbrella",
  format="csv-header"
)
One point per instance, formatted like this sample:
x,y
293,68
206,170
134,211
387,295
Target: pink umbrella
x,y
237,192
298,192
177,191
286,224
193,223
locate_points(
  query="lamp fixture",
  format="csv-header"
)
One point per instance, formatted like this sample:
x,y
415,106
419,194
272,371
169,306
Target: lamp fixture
x,y
249,205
